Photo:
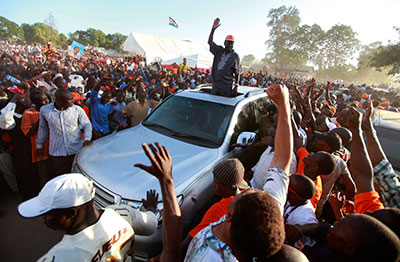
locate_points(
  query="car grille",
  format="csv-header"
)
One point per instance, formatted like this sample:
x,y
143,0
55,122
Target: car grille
x,y
102,197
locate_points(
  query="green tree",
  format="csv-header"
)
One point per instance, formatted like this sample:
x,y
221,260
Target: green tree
x,y
283,39
10,30
340,45
115,41
365,73
248,59
40,33
387,57
62,40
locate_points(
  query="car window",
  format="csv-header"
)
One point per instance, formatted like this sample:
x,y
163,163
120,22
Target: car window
x,y
195,121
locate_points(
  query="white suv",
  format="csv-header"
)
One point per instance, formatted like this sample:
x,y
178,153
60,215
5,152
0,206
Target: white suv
x,y
198,129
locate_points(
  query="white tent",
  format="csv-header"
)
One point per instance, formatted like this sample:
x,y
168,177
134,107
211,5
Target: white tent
x,y
156,48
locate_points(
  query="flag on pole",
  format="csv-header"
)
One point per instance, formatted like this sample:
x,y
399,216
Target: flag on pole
x,y
172,22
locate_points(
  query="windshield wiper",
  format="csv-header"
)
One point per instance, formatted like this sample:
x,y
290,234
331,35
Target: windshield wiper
x,y
182,135
158,125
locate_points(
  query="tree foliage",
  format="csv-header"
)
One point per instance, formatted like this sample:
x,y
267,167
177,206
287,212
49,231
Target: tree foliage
x,y
247,60
295,44
10,30
40,33
387,57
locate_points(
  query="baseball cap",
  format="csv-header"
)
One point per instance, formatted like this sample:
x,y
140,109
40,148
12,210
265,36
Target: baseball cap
x,y
230,38
77,96
65,191
230,172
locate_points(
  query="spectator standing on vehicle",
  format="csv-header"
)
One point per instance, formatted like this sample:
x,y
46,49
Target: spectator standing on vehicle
x,y
226,65
60,122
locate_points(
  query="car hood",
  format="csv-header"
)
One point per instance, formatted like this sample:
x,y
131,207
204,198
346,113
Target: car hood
x,y
109,161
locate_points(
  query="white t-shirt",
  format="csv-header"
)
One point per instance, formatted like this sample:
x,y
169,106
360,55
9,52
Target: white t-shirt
x,y
110,236
276,184
301,215
261,168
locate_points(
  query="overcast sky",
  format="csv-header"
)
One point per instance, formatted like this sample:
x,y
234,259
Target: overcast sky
x,y
246,20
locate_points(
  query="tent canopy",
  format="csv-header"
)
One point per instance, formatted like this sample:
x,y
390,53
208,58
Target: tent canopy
x,y
156,48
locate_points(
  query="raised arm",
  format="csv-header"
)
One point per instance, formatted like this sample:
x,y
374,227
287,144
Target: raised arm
x,y
161,168
327,96
361,168
215,25
375,150
284,136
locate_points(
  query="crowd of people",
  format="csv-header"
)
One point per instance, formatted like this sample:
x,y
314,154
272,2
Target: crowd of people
x,y
316,192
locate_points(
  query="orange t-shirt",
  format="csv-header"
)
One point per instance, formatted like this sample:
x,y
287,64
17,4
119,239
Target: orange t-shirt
x,y
367,201
29,118
301,154
213,214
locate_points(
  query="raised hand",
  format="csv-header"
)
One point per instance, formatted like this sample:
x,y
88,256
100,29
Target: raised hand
x,y
279,94
354,118
161,162
150,203
216,24
366,124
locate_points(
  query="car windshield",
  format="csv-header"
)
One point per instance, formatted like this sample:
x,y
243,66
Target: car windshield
x,y
195,121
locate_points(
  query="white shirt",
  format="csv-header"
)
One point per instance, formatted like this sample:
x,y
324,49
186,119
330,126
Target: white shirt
x,y
301,215
7,121
276,184
111,236
261,168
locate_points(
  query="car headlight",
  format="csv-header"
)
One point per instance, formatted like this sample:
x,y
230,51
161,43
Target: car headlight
x,y
159,209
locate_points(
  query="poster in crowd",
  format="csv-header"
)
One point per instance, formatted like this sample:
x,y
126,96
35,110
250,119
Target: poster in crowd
x,y
76,50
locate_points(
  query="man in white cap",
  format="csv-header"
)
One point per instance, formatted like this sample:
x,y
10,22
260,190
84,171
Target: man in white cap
x,y
67,204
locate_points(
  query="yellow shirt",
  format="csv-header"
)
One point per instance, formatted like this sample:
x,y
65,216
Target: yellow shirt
x,y
183,67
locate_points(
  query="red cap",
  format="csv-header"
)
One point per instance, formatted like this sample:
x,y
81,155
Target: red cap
x,y
230,38
77,96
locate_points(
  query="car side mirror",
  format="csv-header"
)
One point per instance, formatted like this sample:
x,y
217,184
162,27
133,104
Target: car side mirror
x,y
246,139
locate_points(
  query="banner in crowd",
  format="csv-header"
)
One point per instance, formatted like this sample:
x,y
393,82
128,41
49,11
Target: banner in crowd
x,y
76,50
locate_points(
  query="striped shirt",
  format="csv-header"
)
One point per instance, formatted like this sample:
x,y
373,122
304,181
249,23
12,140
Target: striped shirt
x,y
63,129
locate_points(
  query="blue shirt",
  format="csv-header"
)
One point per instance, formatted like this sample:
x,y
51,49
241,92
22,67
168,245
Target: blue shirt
x,y
99,113
117,116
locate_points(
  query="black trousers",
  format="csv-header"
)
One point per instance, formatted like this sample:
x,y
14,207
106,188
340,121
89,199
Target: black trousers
x,y
62,164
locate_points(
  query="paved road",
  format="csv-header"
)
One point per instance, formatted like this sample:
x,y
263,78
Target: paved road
x,y
22,239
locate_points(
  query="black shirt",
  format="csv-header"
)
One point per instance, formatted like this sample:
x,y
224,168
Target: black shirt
x,y
223,68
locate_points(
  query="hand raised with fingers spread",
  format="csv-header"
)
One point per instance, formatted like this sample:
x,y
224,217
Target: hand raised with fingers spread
x,y
150,203
161,162
366,124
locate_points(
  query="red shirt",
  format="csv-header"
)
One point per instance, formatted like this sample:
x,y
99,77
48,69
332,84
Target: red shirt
x,y
213,214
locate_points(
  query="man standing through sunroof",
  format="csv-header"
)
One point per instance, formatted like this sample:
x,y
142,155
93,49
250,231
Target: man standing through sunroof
x,y
226,65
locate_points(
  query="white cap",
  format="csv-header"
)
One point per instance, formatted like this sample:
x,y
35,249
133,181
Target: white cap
x,y
65,191
57,76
